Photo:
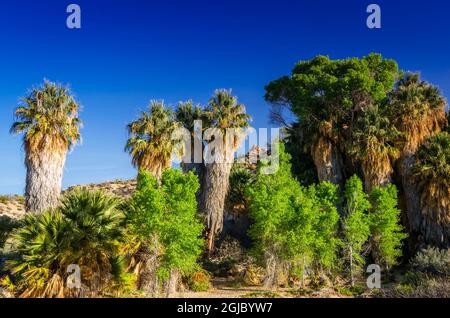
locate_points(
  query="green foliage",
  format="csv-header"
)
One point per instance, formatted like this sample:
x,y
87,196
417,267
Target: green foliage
x,y
433,161
332,90
356,224
240,179
151,143
49,113
326,220
167,214
387,233
84,231
292,224
275,199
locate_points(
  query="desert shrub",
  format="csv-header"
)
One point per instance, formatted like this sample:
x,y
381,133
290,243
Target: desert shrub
x,y
425,287
432,261
199,281
4,199
253,275
7,225
83,231
429,276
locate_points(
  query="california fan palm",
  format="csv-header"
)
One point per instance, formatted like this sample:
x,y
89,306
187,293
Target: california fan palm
x,y
224,113
373,139
187,114
418,111
151,144
432,174
84,230
48,117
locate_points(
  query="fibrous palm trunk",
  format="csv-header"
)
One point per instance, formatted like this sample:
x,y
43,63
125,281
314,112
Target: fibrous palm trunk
x,y
377,175
214,194
411,196
44,176
328,161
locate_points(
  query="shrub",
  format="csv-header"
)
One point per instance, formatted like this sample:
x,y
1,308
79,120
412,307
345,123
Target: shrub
x,y
432,261
4,199
7,225
83,231
426,287
199,281
253,276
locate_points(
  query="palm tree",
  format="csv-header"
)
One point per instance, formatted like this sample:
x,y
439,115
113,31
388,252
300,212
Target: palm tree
x,y
418,111
224,112
84,230
48,118
373,139
187,114
432,174
151,144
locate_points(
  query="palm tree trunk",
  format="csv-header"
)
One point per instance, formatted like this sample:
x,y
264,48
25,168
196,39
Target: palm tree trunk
x,y
413,217
328,161
215,191
376,177
424,214
44,177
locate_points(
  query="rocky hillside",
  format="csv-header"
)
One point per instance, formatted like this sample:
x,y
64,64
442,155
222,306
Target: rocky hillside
x,y
13,206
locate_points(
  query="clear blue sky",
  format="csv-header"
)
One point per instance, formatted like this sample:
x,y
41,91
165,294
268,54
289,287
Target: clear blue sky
x,y
129,52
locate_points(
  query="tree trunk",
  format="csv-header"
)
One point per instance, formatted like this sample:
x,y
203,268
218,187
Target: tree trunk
x,y
172,284
328,161
147,276
427,216
44,177
416,225
352,279
216,189
272,265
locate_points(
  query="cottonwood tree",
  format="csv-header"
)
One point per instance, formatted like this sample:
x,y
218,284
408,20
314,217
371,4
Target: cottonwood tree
x,y
164,230
387,233
356,224
294,228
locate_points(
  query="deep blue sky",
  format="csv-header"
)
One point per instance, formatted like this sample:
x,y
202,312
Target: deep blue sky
x,y
129,52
